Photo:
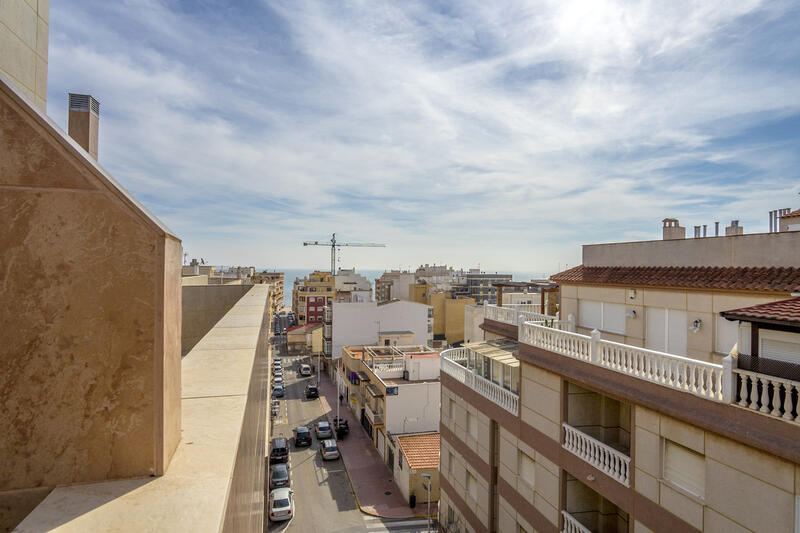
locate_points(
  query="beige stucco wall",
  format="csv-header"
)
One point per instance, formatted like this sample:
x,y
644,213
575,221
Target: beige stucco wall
x,y
752,250
203,306
745,489
705,305
454,318
540,400
91,332
24,35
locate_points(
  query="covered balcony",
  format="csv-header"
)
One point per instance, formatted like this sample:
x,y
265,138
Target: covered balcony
x,y
598,430
588,512
489,368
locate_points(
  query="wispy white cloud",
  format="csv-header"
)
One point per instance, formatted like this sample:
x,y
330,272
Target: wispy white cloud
x,y
495,132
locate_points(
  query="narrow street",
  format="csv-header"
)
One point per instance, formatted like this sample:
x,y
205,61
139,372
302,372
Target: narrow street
x,y
323,498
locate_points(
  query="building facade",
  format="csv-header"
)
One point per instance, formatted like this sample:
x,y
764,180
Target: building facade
x,y
311,294
277,281
480,286
619,425
392,285
24,39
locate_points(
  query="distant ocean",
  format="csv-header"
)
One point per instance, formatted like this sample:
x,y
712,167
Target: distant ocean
x,y
290,274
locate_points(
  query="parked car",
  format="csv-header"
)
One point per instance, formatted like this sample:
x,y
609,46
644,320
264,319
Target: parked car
x,y
329,450
305,370
312,391
276,364
278,476
277,380
323,430
281,504
280,451
277,391
278,373
302,436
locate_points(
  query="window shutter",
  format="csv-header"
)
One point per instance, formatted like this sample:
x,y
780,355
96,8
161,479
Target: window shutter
x,y
677,329
526,468
685,468
779,345
614,318
590,314
656,326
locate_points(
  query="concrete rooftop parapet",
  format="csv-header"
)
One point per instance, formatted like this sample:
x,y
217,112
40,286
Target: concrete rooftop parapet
x,y
216,479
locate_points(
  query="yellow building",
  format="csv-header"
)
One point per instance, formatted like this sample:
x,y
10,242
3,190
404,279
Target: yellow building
x,y
311,294
448,311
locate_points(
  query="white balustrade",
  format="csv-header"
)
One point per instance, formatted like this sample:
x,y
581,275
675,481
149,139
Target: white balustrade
x,y
770,395
571,525
682,373
503,397
515,314
602,456
559,341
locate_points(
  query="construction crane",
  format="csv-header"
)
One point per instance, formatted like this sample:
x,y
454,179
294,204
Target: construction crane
x,y
334,244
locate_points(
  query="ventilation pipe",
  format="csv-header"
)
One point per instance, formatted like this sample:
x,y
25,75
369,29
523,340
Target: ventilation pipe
x,y
84,121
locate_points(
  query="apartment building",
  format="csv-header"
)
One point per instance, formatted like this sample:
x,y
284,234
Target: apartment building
x,y
662,398
448,311
352,287
480,286
276,279
395,392
105,419
394,285
311,294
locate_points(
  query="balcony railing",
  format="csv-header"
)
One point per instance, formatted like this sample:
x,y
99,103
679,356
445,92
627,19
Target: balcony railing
x,y
770,395
503,397
327,347
376,419
682,373
326,331
327,315
571,525
601,456
517,314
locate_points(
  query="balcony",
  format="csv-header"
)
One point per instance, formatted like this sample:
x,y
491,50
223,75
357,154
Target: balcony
x,y
327,348
326,331
587,511
454,363
601,456
376,419
520,313
571,524
327,315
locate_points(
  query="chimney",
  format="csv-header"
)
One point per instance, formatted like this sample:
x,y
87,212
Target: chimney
x,y
672,230
84,121
734,229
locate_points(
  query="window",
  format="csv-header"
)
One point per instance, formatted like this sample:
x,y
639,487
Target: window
x,y
526,468
779,345
601,315
727,336
451,461
472,425
666,330
472,486
451,516
451,409
685,468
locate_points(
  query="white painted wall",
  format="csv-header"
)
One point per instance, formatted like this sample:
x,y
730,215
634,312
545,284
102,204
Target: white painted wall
x,y
400,286
414,409
473,318
522,298
423,368
359,322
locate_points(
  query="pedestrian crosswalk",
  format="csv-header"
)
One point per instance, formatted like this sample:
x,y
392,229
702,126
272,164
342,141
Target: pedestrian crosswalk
x,y
376,524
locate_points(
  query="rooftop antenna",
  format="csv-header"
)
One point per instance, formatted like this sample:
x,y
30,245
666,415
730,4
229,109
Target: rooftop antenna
x,y
334,244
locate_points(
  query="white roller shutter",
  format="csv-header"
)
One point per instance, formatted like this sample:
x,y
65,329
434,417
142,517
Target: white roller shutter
x,y
677,329
590,314
685,468
779,345
656,329
614,318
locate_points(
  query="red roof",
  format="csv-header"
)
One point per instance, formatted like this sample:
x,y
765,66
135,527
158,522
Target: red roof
x,y
774,279
784,311
294,328
795,213
421,449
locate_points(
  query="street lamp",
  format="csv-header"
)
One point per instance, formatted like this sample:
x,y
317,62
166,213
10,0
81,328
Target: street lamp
x,y
427,487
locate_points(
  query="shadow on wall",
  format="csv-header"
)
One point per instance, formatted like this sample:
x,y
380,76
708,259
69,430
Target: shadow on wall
x,y
204,306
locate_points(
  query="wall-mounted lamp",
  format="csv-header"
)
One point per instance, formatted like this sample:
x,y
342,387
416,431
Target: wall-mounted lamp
x,y
631,313
696,325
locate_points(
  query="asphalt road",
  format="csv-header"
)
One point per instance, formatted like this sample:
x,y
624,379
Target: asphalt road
x,y
324,501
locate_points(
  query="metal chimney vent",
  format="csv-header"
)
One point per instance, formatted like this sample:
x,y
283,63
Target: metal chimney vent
x,y
84,102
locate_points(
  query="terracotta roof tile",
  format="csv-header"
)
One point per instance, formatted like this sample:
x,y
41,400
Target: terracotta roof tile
x,y
787,311
794,213
777,279
421,450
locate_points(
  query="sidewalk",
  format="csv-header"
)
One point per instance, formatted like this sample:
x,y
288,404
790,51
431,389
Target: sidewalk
x,y
369,475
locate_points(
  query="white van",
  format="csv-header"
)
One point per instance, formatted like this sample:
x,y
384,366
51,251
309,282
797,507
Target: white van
x,y
305,370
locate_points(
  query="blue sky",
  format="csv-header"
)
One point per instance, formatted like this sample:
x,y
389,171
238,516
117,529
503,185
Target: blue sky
x,y
499,133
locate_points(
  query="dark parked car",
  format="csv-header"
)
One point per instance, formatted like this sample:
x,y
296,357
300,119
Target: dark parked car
x,y
277,391
312,391
280,451
302,436
278,476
